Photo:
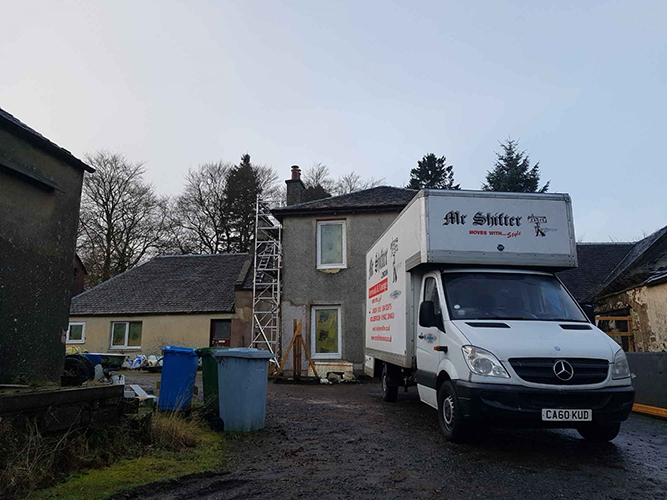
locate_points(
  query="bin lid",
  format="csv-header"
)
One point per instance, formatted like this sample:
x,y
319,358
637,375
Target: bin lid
x,y
243,352
178,350
206,351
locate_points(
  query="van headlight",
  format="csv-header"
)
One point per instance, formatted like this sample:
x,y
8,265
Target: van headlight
x,y
620,368
482,362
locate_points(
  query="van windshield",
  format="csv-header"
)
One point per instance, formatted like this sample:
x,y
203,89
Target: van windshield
x,y
509,296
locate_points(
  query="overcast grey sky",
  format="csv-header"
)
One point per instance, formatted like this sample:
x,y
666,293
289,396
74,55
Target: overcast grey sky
x,y
361,86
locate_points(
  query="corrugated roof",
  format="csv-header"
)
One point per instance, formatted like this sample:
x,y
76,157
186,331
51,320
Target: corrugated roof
x,y
172,284
39,140
596,261
376,199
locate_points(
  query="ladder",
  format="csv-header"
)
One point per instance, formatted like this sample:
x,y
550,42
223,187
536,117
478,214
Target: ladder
x,y
266,286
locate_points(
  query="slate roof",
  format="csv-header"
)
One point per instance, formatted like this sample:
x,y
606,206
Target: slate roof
x,y
172,284
377,199
19,128
637,266
596,261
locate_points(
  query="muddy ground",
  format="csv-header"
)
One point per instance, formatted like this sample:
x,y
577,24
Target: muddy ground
x,y
342,441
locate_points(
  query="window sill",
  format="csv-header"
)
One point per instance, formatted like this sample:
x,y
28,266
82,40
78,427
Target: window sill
x,y
75,342
326,357
125,348
331,269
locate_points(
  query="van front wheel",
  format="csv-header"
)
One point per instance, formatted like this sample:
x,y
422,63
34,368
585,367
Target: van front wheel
x,y
389,384
450,418
599,433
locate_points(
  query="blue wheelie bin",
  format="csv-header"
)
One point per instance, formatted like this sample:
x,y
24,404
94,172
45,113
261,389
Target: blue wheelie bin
x,y
179,370
242,377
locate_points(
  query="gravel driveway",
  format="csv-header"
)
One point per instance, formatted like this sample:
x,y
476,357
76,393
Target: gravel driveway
x,y
332,442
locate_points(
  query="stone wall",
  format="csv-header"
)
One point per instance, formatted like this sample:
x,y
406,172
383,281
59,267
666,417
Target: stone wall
x,y
648,309
38,227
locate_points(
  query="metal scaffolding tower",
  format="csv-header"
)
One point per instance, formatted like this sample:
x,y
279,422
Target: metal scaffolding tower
x,y
266,284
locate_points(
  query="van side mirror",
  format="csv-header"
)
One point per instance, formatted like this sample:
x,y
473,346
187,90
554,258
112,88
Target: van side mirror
x,y
589,311
428,316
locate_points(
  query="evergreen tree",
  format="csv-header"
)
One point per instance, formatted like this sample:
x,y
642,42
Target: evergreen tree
x,y
432,172
512,172
243,186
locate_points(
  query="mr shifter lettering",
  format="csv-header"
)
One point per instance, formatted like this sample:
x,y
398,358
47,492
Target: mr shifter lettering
x,y
454,217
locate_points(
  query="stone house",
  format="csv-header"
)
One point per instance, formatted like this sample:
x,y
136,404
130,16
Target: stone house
x,y
625,280
324,264
637,287
40,194
185,300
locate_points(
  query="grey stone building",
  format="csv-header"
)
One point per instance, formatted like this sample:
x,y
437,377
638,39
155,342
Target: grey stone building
x,y
323,282
40,192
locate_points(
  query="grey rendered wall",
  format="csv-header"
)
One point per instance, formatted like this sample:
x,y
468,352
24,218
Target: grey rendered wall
x,y
37,239
304,285
650,382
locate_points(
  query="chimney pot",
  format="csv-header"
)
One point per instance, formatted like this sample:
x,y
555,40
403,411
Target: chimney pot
x,y
295,187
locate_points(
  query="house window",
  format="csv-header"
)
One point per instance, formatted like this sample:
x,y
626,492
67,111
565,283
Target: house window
x,y
126,335
331,244
326,332
76,333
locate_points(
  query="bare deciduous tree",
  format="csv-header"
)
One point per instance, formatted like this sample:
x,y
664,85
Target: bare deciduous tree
x,y
216,211
122,219
199,221
318,175
352,182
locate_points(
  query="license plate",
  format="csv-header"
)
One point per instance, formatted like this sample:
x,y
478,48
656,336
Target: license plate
x,y
549,415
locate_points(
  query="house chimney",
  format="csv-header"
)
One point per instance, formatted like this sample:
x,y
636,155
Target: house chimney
x,y
295,187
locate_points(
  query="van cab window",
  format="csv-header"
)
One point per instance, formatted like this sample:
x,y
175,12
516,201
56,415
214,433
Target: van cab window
x,y
510,296
431,293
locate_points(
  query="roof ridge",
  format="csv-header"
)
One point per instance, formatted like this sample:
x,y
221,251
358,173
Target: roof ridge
x,y
606,243
169,256
302,204
44,141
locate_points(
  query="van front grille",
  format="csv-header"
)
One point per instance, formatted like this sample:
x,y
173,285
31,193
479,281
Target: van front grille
x,y
541,370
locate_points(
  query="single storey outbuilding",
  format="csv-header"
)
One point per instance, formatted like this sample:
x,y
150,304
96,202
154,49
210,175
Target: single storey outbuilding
x,y
186,300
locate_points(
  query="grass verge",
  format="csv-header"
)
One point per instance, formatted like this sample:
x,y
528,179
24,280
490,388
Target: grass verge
x,y
159,465
99,464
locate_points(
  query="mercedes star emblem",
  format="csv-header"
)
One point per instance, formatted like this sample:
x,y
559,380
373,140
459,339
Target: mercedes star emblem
x,y
563,370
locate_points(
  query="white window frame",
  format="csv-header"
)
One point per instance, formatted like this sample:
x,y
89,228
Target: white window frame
x,y
340,222
125,347
83,332
325,355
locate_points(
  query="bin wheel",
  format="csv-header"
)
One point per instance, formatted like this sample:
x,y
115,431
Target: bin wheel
x,y
216,424
389,385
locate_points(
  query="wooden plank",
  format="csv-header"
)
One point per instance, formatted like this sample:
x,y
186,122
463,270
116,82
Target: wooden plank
x,y
650,410
613,318
29,401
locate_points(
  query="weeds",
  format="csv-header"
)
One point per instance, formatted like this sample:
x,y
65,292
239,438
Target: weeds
x,y
30,460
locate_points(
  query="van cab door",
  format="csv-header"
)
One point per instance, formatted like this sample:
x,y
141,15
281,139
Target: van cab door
x,y
430,329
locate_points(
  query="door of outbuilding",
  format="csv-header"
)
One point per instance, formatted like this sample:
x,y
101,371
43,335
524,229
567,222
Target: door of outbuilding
x,y
221,332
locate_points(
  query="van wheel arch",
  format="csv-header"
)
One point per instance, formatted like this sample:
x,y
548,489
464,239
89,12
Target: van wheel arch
x,y
443,377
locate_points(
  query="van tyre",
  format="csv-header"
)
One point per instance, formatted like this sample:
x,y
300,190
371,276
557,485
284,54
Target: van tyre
x,y
450,418
389,383
599,433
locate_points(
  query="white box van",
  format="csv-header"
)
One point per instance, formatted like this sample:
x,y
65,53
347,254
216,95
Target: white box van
x,y
463,303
